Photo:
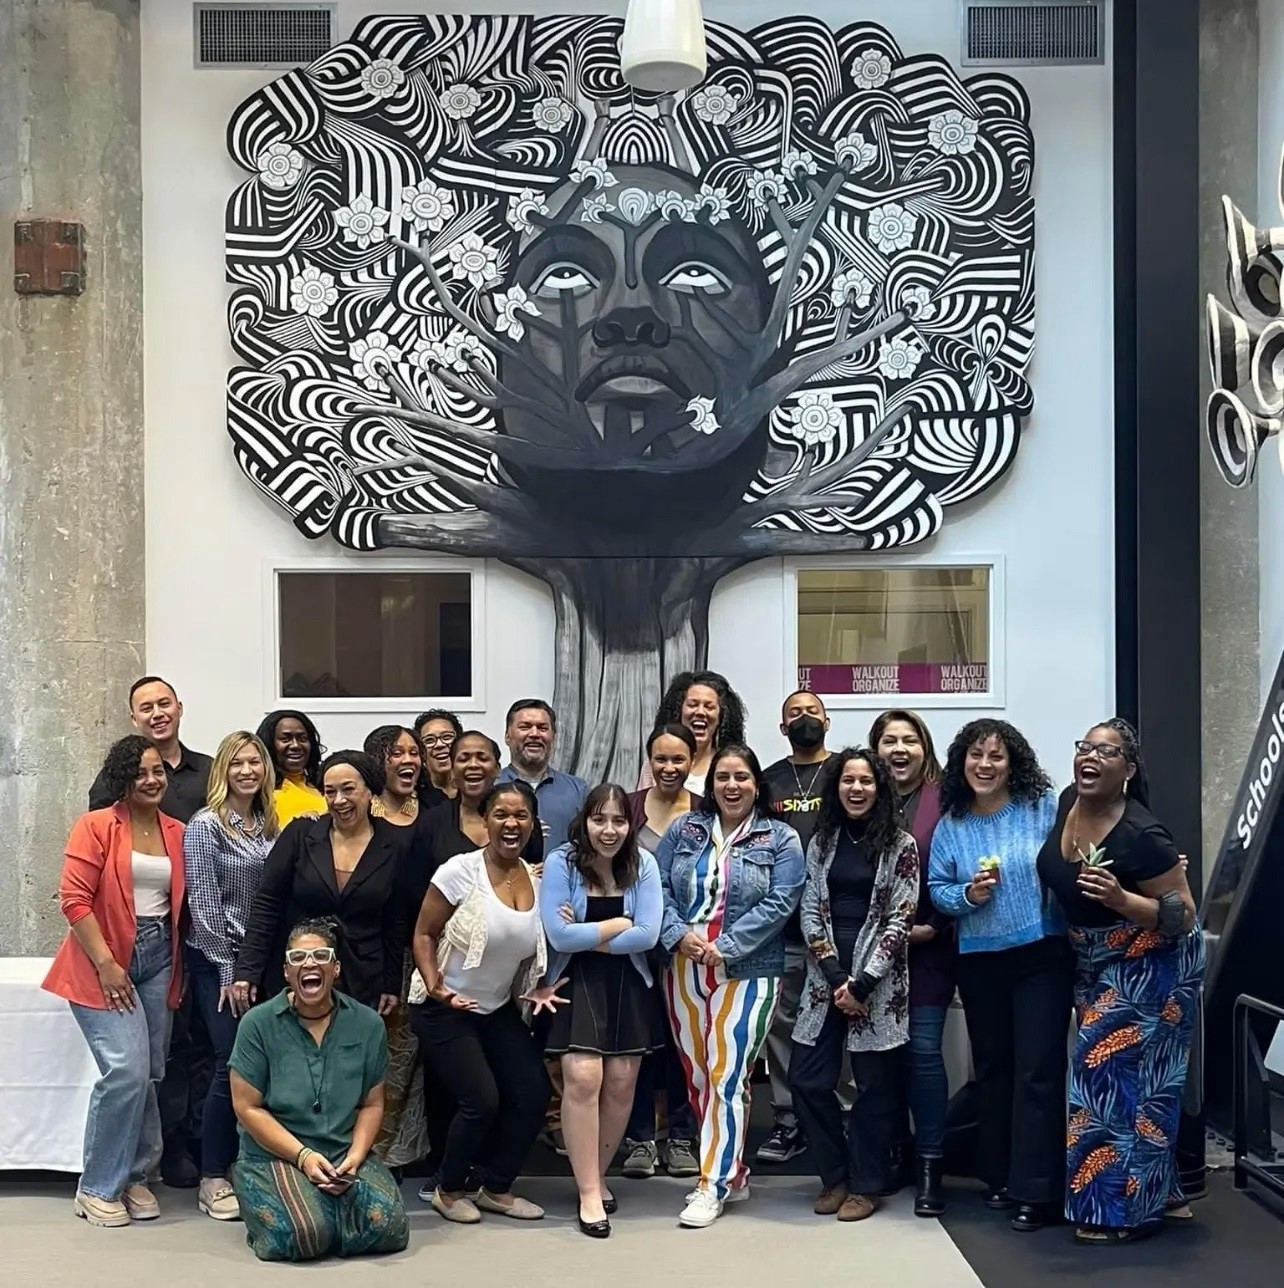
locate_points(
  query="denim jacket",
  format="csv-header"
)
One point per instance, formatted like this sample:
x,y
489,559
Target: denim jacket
x,y
562,883
764,883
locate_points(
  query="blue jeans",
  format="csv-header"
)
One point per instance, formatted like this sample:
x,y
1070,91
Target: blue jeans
x,y
123,1127
219,1140
929,1086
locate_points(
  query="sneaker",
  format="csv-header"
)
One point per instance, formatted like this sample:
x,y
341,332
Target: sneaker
x,y
680,1159
217,1199
740,1195
427,1190
104,1212
783,1144
640,1161
140,1203
703,1208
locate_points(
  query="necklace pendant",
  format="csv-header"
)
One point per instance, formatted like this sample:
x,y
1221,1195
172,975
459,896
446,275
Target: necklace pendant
x,y
316,1106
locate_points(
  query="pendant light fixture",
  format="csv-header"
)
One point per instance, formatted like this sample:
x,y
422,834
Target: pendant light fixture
x,y
662,48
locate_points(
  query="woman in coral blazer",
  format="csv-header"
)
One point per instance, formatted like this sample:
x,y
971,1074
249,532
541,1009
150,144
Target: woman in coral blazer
x,y
122,894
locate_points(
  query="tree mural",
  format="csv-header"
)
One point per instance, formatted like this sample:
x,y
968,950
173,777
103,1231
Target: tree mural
x,y
491,301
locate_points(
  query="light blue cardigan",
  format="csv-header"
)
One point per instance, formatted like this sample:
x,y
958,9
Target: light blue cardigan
x,y
562,883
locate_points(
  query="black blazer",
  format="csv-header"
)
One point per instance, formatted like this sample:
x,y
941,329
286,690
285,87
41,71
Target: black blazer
x,y
299,881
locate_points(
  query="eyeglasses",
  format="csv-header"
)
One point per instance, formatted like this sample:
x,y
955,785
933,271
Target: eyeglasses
x,y
1104,750
302,956
437,739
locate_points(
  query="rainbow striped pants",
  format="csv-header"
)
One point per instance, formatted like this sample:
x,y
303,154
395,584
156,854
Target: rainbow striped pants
x,y
720,1025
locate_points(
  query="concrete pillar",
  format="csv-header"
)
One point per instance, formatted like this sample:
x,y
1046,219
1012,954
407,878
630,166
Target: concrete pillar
x,y
1228,75
72,593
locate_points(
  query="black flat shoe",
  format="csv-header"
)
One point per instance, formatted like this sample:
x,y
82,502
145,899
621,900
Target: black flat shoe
x,y
1030,1217
610,1205
594,1229
999,1200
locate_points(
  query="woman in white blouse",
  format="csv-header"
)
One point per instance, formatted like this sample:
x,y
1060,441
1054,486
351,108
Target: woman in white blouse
x,y
479,950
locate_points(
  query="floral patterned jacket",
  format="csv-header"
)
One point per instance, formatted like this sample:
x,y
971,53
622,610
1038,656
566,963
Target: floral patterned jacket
x,y
882,948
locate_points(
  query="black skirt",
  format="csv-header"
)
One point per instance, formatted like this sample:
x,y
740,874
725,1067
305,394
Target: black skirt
x,y
612,1011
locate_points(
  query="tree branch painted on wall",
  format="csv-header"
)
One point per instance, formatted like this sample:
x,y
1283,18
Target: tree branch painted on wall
x,y
494,302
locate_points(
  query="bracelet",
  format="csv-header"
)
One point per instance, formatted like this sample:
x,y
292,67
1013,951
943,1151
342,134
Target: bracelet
x,y
301,1155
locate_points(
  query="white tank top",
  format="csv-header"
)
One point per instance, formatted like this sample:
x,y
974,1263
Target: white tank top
x,y
151,884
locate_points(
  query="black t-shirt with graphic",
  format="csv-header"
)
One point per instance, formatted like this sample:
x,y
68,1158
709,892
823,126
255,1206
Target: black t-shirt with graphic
x,y
795,796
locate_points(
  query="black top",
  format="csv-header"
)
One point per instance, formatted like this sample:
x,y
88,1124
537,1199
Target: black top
x,y
188,781
795,797
1138,846
299,881
851,885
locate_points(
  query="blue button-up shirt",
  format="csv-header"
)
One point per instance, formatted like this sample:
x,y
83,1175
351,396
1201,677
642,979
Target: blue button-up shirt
x,y
560,797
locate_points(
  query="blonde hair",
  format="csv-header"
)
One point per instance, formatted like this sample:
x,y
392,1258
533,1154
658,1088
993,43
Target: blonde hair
x,y
216,795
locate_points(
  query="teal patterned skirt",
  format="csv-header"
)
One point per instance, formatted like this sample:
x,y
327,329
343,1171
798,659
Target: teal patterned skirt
x,y
288,1219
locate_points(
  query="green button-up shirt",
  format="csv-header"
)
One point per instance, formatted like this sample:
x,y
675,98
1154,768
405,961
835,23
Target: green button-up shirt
x,y
277,1056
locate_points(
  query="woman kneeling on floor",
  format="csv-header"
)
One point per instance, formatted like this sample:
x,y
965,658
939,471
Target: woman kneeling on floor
x,y
307,1076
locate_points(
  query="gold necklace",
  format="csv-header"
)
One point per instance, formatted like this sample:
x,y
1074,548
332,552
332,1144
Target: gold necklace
x,y
507,880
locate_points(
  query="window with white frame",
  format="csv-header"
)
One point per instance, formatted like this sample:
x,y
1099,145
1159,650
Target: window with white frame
x,y
921,632
374,634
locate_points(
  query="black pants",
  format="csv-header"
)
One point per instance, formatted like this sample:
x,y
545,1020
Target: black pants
x,y
492,1067
189,1069
860,1157
1017,1004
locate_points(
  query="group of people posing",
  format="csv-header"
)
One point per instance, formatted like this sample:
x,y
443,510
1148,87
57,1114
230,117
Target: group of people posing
x,y
412,953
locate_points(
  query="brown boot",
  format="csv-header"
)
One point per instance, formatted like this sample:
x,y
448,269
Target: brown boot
x,y
830,1200
858,1207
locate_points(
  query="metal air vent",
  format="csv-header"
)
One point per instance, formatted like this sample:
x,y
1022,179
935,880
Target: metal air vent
x,y
1028,33
262,35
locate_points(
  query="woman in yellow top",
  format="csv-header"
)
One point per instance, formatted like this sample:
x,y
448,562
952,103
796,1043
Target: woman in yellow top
x,y
295,746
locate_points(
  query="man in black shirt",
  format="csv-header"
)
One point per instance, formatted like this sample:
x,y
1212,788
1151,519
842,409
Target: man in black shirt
x,y
795,782
156,712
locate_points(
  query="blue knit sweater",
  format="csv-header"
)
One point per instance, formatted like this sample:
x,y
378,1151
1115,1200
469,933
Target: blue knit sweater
x,y
1018,912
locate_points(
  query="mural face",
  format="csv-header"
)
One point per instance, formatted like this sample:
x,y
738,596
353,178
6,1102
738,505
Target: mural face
x,y
492,301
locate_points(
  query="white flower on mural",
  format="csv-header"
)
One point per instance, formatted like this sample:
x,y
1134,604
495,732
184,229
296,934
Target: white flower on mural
x,y
520,209
313,292
852,289
920,298
508,304
634,204
798,163
891,227
383,78
280,166
704,419
815,418
715,103
872,69
552,114
426,206
452,351
372,359
473,261
714,200
856,149
595,171
952,133
766,186
672,205
592,207
362,221
898,359
459,101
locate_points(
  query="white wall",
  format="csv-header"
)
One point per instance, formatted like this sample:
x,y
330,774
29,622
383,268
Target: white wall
x,y
211,536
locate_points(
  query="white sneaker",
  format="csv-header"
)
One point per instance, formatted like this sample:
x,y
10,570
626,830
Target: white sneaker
x,y
703,1208
738,1196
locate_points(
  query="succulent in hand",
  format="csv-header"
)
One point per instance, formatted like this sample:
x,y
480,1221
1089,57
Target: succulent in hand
x,y
1094,857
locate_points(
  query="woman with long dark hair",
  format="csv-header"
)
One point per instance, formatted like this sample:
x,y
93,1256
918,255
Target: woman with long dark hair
x,y
860,895
405,794
732,875
1014,962
904,742
601,905
295,746
707,704
1122,886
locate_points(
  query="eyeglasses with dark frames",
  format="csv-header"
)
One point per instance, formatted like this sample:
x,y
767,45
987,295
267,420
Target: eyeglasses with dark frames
x,y
1103,750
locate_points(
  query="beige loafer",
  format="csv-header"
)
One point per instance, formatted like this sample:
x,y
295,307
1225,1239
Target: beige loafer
x,y
104,1212
140,1203
217,1199
461,1210
517,1209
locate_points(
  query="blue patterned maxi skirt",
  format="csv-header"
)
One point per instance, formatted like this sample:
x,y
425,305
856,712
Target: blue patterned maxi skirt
x,y
1136,994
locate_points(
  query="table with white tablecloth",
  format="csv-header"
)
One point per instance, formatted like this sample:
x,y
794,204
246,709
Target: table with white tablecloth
x,y
46,1072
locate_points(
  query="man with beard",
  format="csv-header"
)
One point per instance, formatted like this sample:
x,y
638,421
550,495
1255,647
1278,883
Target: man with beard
x,y
529,730
795,784
156,712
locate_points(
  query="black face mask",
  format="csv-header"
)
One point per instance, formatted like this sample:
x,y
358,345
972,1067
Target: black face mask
x,y
806,733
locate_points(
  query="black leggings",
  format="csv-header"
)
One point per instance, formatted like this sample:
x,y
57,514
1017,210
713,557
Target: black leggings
x,y
492,1067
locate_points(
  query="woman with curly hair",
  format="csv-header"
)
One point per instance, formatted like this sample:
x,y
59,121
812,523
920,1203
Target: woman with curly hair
x,y
295,746
858,901
711,709
1014,964
122,894
1117,875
